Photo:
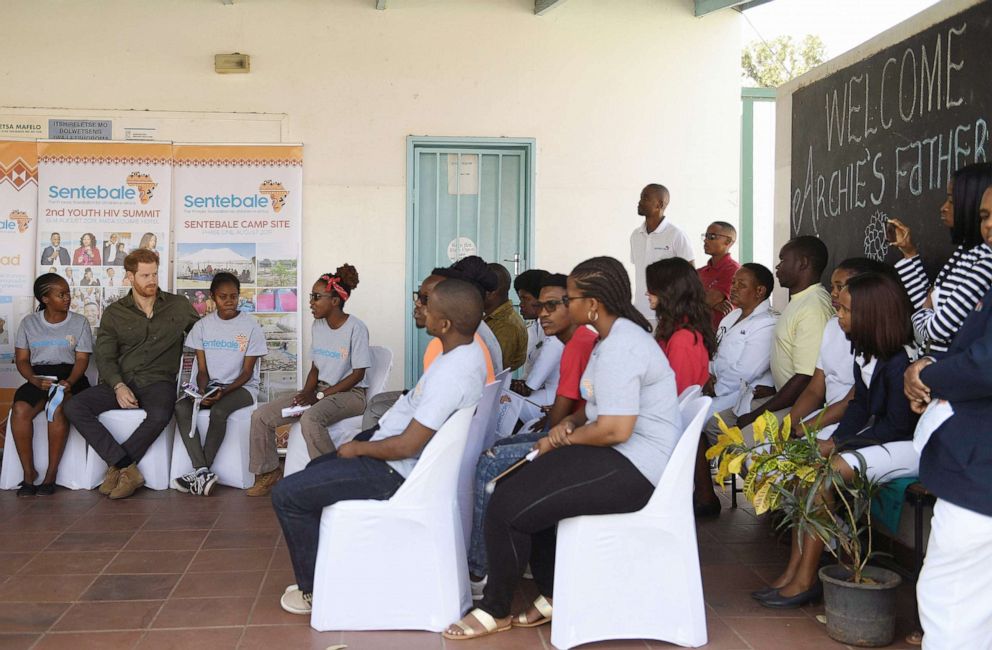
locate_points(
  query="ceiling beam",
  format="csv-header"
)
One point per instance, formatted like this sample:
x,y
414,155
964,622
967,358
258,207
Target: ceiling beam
x,y
542,7
704,7
380,4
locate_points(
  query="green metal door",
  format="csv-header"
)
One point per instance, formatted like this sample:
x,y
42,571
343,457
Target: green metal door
x,y
467,199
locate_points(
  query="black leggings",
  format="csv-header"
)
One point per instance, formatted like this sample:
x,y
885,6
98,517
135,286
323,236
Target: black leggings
x,y
522,518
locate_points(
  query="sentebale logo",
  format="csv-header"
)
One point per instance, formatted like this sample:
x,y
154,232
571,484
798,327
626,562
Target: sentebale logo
x,y
276,192
144,184
16,221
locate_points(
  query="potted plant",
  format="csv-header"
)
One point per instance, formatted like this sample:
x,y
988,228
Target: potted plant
x,y
788,474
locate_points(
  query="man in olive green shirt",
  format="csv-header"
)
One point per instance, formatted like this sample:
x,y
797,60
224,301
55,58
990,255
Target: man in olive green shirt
x,y
137,352
504,321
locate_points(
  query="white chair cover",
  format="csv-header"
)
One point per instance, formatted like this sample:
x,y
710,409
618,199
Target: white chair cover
x,y
690,393
398,564
482,422
72,469
642,581
344,431
157,460
231,463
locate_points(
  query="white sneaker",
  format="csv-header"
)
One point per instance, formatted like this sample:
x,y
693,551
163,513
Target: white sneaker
x,y
184,483
296,602
478,586
206,483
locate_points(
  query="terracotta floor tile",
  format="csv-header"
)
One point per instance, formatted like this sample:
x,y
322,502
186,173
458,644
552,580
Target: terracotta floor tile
x,y
719,636
760,552
134,615
626,644
150,562
25,540
132,506
298,637
247,520
181,521
11,563
91,523
67,562
131,587
204,612
738,602
168,540
224,539
88,640
91,541
267,611
30,523
782,634
36,617
730,577
17,641
201,639
43,589
230,560
276,581
65,504
408,640
230,584
515,639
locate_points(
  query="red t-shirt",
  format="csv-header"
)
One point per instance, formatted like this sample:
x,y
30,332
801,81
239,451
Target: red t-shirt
x,y
574,359
719,277
688,358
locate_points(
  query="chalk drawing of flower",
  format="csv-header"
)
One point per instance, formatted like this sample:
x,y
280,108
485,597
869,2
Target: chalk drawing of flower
x,y
876,246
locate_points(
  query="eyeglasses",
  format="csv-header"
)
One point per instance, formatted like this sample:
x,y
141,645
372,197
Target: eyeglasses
x,y
317,296
567,299
710,236
550,305
420,298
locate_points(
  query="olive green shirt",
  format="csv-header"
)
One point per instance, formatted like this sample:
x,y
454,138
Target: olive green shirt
x,y
131,347
511,333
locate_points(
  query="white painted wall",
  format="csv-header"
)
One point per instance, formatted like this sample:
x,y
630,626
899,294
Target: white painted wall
x,y
617,94
783,105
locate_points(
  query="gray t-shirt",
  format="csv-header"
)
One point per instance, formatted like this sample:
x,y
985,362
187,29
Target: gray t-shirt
x,y
53,343
338,352
492,343
453,381
628,374
226,343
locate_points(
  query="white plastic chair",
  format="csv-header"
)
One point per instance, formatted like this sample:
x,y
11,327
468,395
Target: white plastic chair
x,y
72,468
690,393
155,464
398,564
642,581
297,455
482,422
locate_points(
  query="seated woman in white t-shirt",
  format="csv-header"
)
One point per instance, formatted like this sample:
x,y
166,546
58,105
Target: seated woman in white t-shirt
x,y
874,310
334,388
605,458
228,344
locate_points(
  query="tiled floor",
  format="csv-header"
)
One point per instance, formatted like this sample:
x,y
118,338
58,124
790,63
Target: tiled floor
x,y
166,570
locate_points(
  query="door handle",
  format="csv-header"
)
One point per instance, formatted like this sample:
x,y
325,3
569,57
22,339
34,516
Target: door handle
x,y
516,263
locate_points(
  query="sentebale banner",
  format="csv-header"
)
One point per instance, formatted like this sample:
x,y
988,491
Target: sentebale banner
x,y
239,208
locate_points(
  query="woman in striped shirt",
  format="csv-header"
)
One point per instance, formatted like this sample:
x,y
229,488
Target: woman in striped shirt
x,y
940,309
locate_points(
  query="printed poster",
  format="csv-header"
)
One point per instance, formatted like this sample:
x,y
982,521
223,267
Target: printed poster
x,y
239,209
18,223
97,202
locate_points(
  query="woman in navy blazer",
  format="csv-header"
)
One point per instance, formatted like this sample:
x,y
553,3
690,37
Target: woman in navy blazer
x,y
874,311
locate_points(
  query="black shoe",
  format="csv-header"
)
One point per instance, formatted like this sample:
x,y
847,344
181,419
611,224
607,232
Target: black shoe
x,y
761,594
27,489
46,489
707,509
778,601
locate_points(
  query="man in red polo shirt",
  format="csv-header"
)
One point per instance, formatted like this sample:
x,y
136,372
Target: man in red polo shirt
x,y
719,271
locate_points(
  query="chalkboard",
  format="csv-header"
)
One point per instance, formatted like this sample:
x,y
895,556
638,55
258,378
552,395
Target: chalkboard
x,y
879,139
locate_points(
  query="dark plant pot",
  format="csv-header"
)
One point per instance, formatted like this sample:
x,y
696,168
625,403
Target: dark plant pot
x,y
860,614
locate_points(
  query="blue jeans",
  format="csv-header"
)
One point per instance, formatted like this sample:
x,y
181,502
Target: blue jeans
x,y
492,463
300,499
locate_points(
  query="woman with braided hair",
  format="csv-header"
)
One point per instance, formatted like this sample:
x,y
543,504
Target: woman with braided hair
x,y
605,458
334,389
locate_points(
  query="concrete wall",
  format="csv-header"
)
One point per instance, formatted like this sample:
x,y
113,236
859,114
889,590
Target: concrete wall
x,y
617,94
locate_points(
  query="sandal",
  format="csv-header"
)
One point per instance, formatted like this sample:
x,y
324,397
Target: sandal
x,y
485,618
27,489
543,607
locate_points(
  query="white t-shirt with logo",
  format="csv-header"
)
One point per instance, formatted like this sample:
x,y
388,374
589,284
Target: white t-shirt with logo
x,y
226,343
667,240
338,352
54,343
453,381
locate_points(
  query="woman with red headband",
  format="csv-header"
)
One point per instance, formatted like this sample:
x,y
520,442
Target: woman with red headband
x,y
334,388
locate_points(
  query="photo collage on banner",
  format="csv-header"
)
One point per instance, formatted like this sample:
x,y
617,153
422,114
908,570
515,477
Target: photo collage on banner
x,y
98,201
239,209
18,223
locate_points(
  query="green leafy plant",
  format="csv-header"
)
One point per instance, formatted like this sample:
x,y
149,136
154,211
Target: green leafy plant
x,y
789,475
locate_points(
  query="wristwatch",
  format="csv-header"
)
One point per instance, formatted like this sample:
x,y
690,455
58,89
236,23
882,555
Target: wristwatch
x,y
320,395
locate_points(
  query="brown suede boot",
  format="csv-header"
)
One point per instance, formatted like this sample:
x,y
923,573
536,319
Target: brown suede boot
x,y
264,483
130,480
110,480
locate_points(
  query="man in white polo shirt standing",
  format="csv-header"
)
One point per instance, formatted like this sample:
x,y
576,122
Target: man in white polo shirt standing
x,y
655,239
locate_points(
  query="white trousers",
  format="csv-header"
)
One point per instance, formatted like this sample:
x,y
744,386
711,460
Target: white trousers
x,y
954,589
887,462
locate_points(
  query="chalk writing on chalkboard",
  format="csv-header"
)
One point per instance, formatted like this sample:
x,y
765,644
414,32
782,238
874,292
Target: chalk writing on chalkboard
x,y
884,135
